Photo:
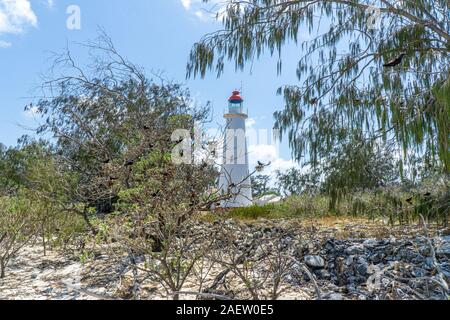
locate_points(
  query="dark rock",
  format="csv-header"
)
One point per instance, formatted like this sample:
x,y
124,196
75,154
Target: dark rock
x,y
443,251
377,258
258,235
322,274
371,243
349,261
425,250
316,262
418,272
355,249
361,266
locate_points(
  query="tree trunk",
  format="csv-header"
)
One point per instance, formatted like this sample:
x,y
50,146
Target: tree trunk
x,y
136,286
85,216
2,268
44,244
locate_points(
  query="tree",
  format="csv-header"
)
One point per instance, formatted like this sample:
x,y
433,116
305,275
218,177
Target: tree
x,y
358,165
388,81
260,185
106,118
13,169
17,228
296,182
127,151
158,214
31,175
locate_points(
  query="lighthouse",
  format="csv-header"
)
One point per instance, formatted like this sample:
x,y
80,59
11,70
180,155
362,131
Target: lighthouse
x,y
235,173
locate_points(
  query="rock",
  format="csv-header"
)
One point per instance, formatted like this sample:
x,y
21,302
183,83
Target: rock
x,y
258,235
361,266
407,254
259,253
349,261
355,249
377,258
334,246
446,273
336,296
351,281
443,251
346,269
299,247
371,243
267,230
323,274
424,250
287,240
329,245
419,272
47,290
315,262
429,263
445,267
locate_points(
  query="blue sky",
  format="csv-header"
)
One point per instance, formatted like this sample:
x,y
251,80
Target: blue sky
x,y
155,34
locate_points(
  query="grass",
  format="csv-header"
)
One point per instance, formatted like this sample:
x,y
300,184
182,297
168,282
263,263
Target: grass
x,y
390,207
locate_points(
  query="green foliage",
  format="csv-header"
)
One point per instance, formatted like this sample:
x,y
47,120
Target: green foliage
x,y
343,83
16,163
357,166
261,186
17,227
304,206
253,212
393,205
112,128
296,182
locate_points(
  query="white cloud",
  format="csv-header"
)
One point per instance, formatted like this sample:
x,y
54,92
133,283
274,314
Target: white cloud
x,y
260,149
186,4
15,15
282,165
204,12
263,153
250,123
5,44
199,14
32,112
266,153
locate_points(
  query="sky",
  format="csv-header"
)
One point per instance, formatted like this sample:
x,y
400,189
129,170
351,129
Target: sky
x,y
155,34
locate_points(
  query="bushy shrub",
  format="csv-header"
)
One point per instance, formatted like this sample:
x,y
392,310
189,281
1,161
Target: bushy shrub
x,y
17,228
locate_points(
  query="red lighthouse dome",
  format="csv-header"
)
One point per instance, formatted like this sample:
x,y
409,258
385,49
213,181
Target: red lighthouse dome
x,y
235,106
236,97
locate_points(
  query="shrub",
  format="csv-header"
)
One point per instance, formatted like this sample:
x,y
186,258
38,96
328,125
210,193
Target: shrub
x,y
17,228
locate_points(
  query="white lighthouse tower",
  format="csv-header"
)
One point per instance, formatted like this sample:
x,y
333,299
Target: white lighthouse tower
x,y
235,174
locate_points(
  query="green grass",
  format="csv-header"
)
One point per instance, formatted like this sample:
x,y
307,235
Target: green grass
x,y
254,212
392,206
